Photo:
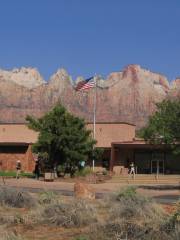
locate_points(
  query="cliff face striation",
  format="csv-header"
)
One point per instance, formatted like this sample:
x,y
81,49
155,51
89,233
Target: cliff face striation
x,y
129,95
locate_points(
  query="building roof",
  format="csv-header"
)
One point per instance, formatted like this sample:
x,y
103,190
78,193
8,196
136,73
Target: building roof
x,y
17,133
139,143
127,123
132,142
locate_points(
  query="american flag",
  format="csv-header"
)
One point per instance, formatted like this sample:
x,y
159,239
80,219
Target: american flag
x,y
85,84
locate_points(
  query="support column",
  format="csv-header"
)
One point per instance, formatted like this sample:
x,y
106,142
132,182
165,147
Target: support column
x,y
29,159
112,160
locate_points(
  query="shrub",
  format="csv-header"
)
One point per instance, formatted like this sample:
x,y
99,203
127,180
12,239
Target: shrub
x,y
48,197
61,169
77,213
129,204
131,216
172,225
83,172
118,229
176,215
9,235
16,198
9,218
127,193
105,172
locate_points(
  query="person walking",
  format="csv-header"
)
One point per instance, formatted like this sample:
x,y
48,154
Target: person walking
x,y
18,169
37,169
81,165
132,170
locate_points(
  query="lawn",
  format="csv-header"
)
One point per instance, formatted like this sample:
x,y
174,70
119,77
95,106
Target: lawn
x,y
13,174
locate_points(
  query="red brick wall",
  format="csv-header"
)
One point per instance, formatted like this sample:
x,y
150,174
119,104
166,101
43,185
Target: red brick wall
x,y
10,154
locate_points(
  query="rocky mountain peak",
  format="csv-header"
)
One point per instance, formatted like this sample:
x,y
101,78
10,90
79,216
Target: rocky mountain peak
x,y
61,72
25,76
60,80
176,83
131,71
129,95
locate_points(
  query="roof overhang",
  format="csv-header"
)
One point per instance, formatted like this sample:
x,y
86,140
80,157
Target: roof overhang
x,y
14,144
139,144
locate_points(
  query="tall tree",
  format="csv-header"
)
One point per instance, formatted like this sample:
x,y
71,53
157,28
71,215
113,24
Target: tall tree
x,y
164,126
63,138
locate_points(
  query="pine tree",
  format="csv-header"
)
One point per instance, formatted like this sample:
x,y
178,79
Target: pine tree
x,y
63,138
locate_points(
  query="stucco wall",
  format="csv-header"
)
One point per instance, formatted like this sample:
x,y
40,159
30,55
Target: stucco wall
x,y
17,133
106,133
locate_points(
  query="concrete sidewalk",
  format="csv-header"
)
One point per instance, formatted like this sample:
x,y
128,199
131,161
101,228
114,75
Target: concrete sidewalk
x,y
58,185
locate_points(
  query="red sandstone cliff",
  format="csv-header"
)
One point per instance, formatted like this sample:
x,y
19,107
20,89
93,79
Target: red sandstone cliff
x,y
129,95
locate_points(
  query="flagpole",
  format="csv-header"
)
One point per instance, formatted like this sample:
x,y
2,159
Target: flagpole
x,y
94,113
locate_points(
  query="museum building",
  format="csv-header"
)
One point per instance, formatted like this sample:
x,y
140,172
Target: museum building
x,y
121,147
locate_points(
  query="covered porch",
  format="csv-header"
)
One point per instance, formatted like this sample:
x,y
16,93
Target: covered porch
x,y
147,158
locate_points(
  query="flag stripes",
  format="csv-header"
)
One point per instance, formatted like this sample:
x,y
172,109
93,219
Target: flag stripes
x,y
85,84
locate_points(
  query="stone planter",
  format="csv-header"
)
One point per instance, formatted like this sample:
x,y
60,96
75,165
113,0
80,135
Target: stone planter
x,y
49,177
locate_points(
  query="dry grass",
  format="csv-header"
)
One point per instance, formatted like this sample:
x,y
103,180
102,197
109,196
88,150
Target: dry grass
x,y
125,214
73,214
132,216
16,198
9,235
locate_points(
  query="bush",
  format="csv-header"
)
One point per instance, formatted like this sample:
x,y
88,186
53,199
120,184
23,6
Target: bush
x,y
9,235
12,218
131,216
48,197
83,172
173,222
61,169
127,193
129,204
105,172
119,229
77,213
16,198
176,215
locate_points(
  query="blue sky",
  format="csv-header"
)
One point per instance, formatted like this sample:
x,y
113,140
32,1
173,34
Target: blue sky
x,y
90,36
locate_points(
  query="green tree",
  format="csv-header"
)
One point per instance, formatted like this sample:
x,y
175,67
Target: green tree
x,y
63,138
164,126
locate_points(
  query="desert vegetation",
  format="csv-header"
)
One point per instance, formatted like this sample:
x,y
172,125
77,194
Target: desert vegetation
x,y
48,215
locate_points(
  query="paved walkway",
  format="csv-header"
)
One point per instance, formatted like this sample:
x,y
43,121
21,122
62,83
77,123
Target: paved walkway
x,y
58,185
160,193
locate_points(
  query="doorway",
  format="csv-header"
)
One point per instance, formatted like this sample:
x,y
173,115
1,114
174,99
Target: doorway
x,y
157,166
157,162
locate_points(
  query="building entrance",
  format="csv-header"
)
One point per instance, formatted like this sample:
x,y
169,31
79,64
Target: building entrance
x,y
157,163
157,166
149,162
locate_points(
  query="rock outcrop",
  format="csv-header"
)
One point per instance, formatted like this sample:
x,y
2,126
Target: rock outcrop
x,y
27,77
129,95
84,191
